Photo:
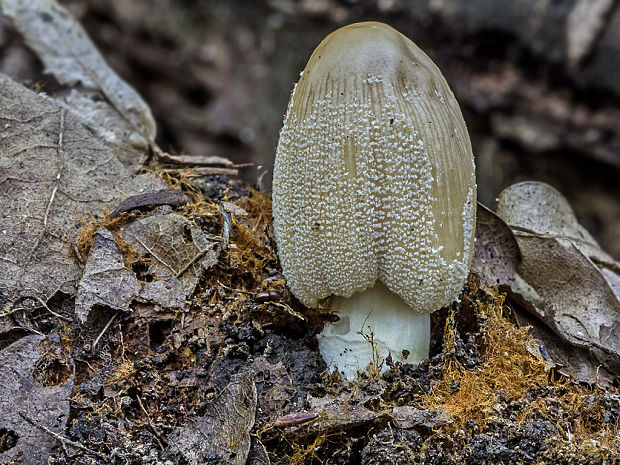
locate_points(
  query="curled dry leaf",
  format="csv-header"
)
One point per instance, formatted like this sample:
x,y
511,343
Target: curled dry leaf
x,y
53,173
222,434
538,208
563,270
496,252
68,53
105,280
37,380
348,410
172,197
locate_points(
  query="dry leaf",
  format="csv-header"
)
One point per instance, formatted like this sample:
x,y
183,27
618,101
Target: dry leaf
x,y
274,386
222,435
347,411
53,173
496,252
178,260
68,53
173,197
105,280
37,380
578,363
571,294
538,208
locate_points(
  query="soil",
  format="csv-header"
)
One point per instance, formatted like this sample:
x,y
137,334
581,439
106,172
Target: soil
x,y
153,369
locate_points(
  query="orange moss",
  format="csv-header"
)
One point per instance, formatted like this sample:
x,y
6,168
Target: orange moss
x,y
89,228
508,366
302,453
511,369
180,179
123,373
249,247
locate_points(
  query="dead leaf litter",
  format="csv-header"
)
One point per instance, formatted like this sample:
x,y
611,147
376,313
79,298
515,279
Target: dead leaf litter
x,y
151,381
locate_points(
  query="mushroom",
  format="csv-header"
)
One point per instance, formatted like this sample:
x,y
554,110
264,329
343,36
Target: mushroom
x,y
374,194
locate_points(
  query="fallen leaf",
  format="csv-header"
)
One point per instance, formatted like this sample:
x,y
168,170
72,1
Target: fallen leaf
x,y
559,271
61,43
222,434
274,386
344,412
37,381
173,197
612,276
53,173
105,280
496,252
579,303
577,363
178,261
538,208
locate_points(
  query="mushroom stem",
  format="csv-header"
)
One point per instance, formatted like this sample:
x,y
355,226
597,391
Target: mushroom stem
x,y
378,315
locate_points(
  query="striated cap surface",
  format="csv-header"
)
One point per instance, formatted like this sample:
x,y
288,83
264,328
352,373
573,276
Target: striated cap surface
x,y
374,174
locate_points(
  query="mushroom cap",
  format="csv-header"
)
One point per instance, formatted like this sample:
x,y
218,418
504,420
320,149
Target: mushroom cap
x,y
374,174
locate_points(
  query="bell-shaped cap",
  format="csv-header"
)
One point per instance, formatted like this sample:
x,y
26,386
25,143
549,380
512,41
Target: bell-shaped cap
x,y
374,174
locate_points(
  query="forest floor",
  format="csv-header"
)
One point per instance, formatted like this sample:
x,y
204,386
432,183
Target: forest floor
x,y
241,366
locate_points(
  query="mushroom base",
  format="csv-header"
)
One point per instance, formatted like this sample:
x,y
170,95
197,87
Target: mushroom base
x,y
373,324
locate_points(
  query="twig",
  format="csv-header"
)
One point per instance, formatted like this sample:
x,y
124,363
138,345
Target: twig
x,y
49,204
105,328
120,336
288,310
148,417
210,171
44,305
204,171
8,310
13,309
233,290
28,328
164,157
60,167
244,165
259,181
18,321
63,439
